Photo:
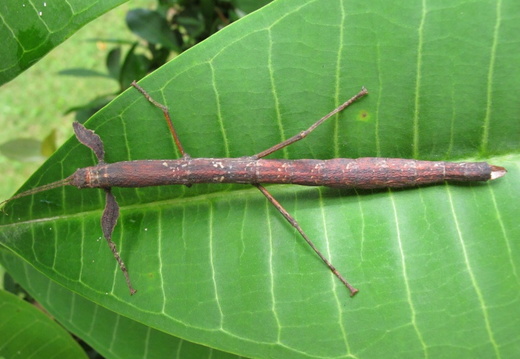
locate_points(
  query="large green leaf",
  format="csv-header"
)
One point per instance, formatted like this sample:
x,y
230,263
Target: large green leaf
x,y
29,30
215,264
113,335
27,332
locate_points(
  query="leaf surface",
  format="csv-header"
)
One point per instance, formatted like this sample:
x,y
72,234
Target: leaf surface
x,y
27,332
112,335
437,267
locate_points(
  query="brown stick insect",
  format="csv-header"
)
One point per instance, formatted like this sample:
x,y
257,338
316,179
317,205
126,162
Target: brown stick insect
x,y
367,173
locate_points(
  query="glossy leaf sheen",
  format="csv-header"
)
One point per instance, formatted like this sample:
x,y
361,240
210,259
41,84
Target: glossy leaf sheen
x,y
215,264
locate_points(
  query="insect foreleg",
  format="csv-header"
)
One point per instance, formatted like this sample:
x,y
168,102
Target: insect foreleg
x,y
108,222
167,117
111,212
90,139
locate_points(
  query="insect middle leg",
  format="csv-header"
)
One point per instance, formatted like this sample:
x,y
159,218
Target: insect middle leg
x,y
296,225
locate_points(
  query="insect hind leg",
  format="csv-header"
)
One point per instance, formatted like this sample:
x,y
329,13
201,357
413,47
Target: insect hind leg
x,y
296,225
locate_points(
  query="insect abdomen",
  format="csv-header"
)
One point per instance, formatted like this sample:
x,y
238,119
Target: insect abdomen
x,y
373,172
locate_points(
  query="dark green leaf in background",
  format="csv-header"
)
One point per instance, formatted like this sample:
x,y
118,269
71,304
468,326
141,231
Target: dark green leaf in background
x,y
82,73
248,6
437,267
29,30
114,62
27,332
134,66
152,27
22,149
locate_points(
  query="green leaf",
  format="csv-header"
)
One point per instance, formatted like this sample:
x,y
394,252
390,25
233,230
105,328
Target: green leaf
x,y
79,72
112,335
153,27
135,66
248,6
48,145
21,321
113,62
437,267
23,149
30,30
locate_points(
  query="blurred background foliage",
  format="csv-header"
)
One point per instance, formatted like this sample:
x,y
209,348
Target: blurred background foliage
x,y
101,62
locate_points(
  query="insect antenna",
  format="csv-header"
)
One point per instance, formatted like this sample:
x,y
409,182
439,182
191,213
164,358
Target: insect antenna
x,y
46,187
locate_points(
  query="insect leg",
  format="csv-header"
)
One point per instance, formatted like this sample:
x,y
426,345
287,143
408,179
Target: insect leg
x,y
304,134
108,222
167,116
295,224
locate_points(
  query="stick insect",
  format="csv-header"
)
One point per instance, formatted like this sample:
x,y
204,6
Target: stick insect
x,y
368,173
